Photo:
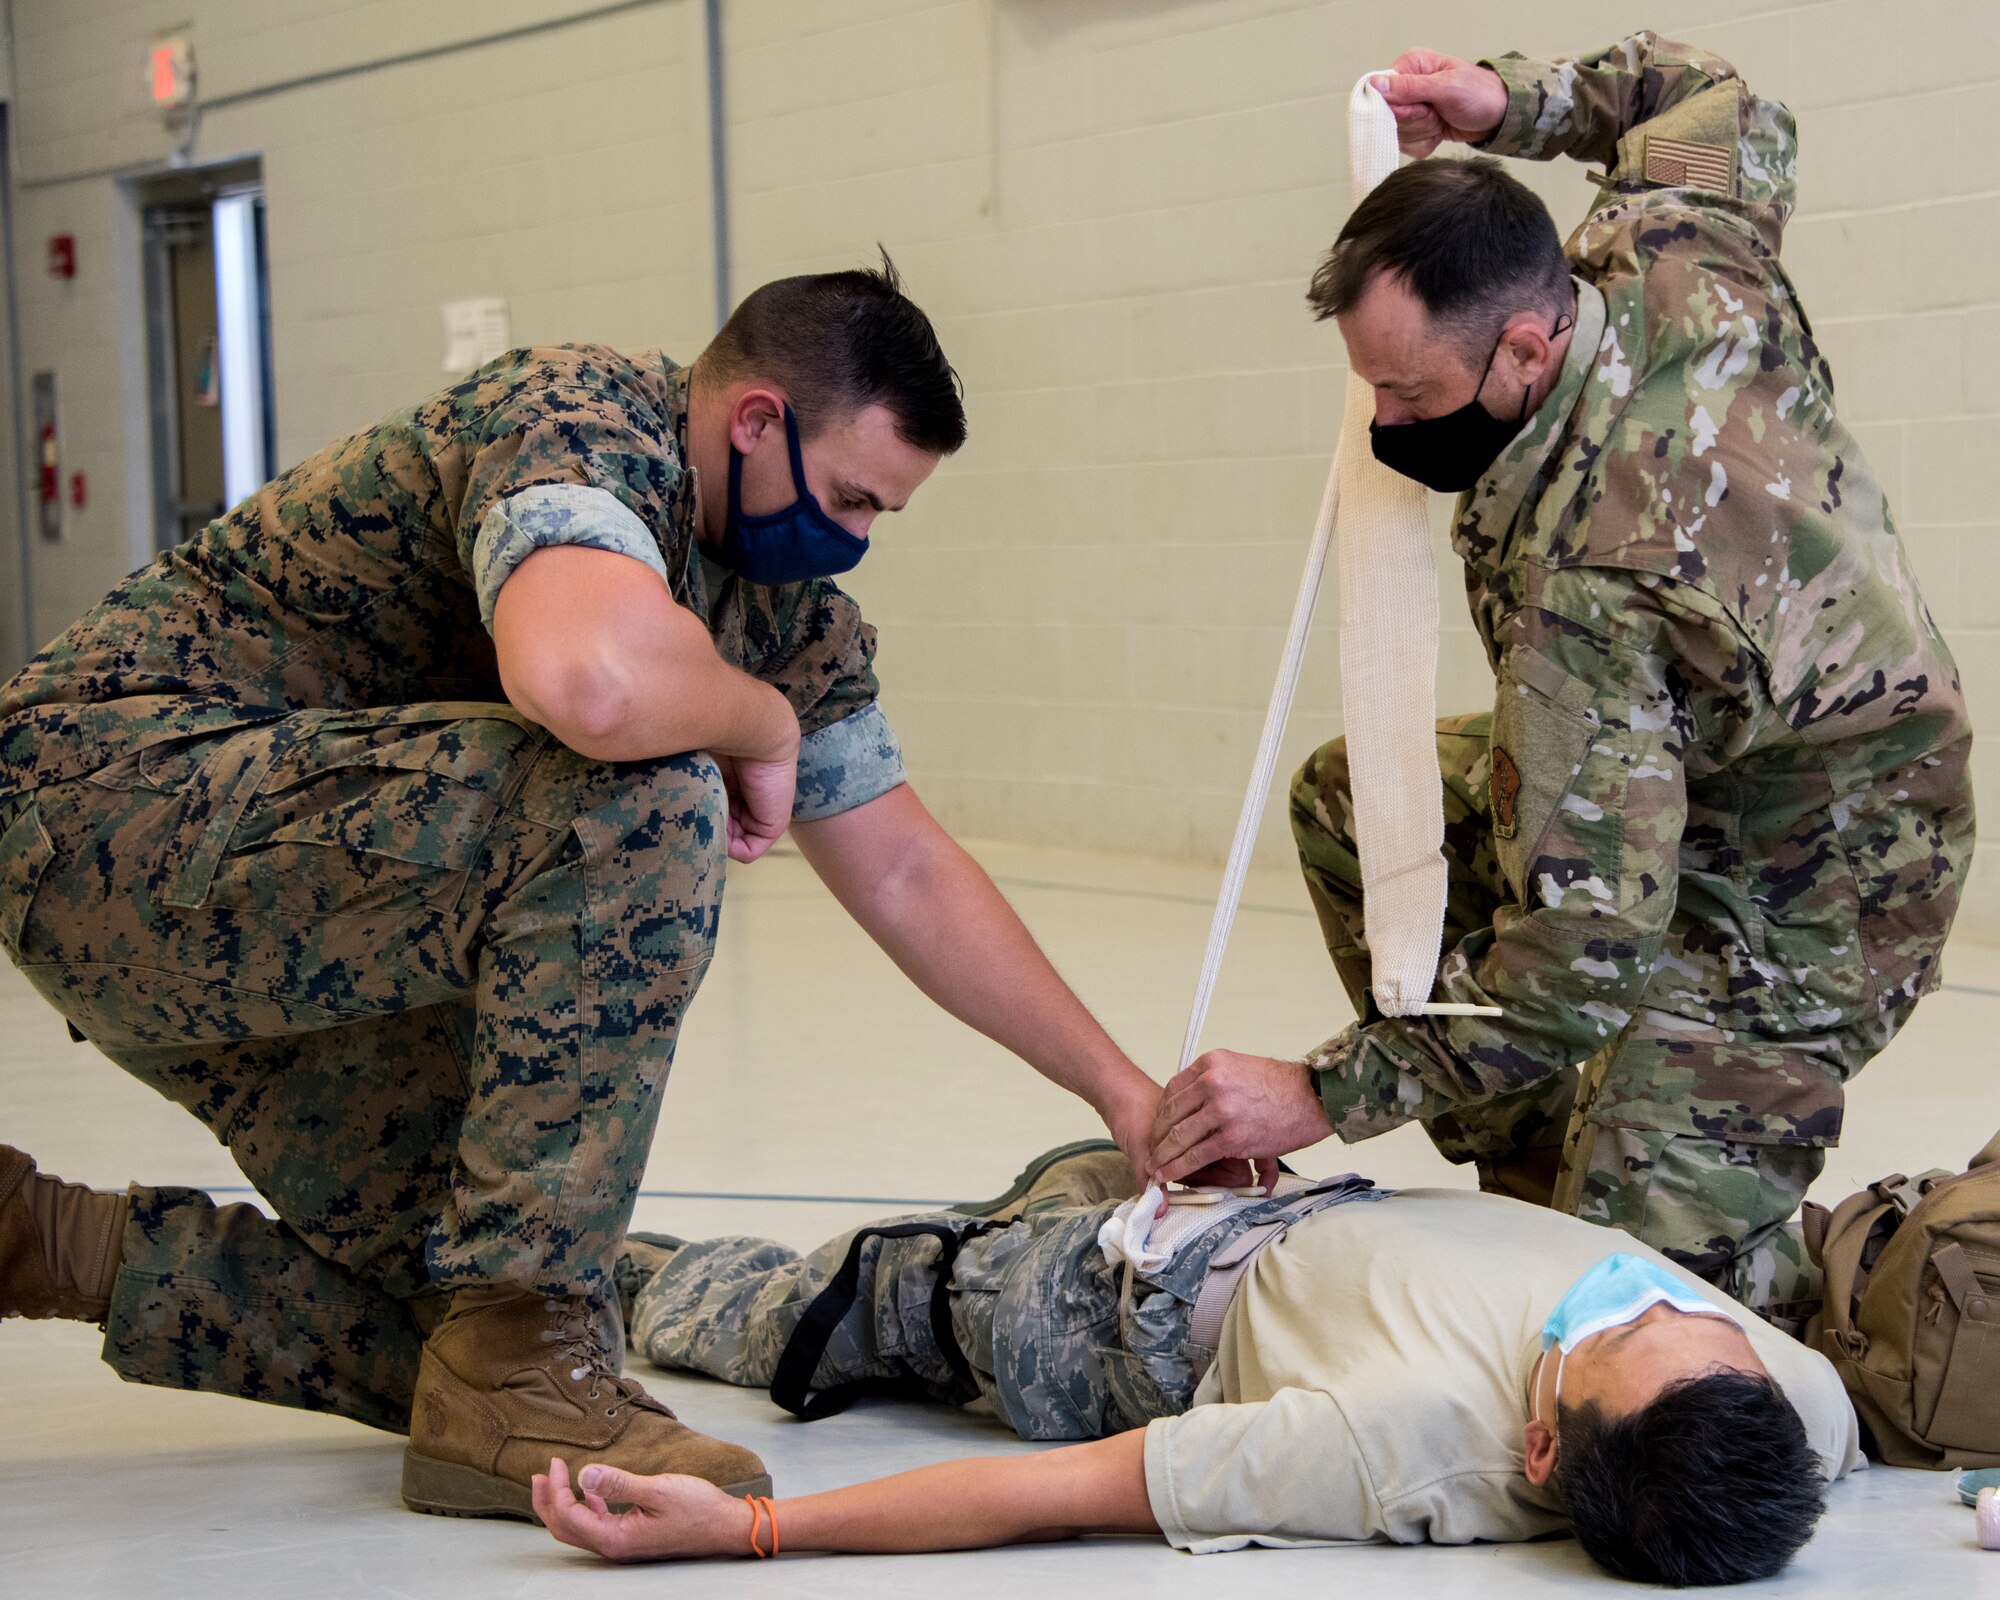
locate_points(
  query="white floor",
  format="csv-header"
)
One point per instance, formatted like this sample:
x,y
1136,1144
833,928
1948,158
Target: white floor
x,y
814,1089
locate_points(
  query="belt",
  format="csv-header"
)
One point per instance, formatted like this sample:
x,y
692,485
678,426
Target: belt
x,y
1227,1267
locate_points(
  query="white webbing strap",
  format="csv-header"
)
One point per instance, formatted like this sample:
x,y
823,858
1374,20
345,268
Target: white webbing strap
x,y
1388,665
1388,668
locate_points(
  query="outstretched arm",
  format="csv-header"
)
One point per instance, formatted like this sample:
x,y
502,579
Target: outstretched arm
x,y
956,1505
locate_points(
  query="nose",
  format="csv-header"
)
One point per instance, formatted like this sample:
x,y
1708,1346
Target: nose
x,y
1389,411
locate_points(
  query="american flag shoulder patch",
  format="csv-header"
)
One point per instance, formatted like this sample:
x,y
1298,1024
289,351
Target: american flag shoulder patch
x,y
1680,163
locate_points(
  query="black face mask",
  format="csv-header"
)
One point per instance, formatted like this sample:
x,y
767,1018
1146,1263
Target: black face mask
x,y
1451,452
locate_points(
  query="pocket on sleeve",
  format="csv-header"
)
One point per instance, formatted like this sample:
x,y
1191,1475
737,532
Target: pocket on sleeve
x,y
25,854
1543,730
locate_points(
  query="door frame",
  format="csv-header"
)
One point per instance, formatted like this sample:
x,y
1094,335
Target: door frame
x,y
154,199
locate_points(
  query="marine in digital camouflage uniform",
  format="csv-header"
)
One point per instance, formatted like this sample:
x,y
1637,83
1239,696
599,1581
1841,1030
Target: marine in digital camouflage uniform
x,y
1706,847
273,838
275,842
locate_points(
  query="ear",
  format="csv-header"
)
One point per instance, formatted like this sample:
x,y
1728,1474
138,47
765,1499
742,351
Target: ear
x,y
1528,346
754,410
1540,1442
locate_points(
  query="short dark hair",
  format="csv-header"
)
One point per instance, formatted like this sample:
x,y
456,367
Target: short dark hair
x,y
1713,1482
838,341
1474,245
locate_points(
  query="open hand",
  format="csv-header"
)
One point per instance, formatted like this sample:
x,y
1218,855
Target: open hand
x,y
670,1517
1438,97
1230,1106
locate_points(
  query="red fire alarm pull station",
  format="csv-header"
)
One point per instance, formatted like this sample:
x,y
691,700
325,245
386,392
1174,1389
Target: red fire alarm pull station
x,y
79,491
62,255
48,497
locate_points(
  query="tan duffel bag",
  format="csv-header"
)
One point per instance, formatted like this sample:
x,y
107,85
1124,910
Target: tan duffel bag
x,y
1912,1314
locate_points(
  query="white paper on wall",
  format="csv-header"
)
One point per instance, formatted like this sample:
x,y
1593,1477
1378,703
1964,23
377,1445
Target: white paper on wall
x,y
475,331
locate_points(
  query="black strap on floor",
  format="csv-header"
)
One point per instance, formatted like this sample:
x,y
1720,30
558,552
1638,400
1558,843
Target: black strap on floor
x,y
791,1386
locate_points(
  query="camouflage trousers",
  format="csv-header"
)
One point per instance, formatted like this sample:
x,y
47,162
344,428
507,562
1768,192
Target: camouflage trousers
x,y
1721,1208
1028,1317
421,970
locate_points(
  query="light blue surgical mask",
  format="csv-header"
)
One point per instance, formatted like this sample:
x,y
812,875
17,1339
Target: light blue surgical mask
x,y
1618,1290
791,545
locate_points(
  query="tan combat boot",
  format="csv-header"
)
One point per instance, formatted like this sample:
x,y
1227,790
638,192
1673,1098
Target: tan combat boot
x,y
59,1243
508,1380
1085,1173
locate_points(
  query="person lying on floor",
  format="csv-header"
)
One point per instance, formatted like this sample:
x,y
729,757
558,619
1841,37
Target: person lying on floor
x,y
1335,1362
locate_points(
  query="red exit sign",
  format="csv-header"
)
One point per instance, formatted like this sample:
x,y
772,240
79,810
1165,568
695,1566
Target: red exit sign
x,y
170,71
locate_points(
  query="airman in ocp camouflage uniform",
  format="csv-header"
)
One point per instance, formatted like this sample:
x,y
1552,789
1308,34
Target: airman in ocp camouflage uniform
x,y
273,838
1705,849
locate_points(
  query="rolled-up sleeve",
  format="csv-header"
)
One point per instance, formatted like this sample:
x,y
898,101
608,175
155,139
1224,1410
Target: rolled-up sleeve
x,y
847,764
547,514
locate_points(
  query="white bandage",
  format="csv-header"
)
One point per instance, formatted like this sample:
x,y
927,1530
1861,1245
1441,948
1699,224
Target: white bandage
x,y
1136,1235
1388,669
1388,663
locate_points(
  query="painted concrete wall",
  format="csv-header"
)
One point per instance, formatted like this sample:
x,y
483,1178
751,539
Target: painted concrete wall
x,y
566,171
1110,207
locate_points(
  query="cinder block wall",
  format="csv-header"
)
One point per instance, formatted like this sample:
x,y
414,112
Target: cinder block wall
x,y
1110,207
566,171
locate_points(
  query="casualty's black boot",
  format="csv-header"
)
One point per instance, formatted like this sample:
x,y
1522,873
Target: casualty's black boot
x,y
1081,1174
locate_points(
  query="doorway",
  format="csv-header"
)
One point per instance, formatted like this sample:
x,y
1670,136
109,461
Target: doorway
x,y
208,343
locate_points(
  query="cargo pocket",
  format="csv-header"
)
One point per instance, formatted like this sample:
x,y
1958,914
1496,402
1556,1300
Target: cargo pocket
x,y
25,854
1543,728
211,805
1960,1323
349,812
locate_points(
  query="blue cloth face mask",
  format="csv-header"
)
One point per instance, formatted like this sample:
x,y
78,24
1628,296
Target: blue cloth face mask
x,y
791,545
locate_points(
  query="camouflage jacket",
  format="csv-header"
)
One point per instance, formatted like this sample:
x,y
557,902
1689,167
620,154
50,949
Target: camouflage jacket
x,y
365,577
1729,787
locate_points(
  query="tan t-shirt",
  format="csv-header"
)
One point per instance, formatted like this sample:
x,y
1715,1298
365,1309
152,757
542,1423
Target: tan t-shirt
x,y
1372,1381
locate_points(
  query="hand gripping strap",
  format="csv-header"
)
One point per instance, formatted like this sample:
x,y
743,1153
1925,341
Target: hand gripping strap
x,y
791,1384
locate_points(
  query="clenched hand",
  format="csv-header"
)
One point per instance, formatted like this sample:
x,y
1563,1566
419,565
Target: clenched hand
x,y
1438,97
760,802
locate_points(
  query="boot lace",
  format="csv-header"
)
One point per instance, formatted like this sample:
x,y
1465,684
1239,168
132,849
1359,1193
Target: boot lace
x,y
573,1331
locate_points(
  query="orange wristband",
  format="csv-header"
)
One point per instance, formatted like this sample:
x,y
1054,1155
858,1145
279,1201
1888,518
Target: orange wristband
x,y
760,1508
